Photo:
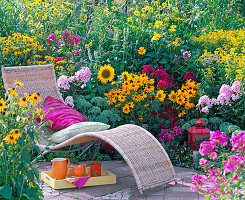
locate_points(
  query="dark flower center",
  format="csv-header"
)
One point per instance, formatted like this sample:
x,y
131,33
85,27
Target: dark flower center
x,y
106,73
1,104
11,137
16,131
35,97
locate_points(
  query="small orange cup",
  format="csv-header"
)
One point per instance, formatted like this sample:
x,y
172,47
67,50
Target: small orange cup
x,y
79,170
60,167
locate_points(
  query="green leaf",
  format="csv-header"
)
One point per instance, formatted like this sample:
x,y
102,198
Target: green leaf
x,y
156,105
6,192
151,54
163,61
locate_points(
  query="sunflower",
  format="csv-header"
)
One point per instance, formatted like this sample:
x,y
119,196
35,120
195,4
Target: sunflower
x,y
35,98
106,74
15,133
126,109
23,102
10,139
2,105
160,95
18,84
141,51
172,96
126,77
12,92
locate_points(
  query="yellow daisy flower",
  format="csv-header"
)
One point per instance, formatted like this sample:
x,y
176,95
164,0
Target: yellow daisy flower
x,y
161,95
2,105
10,139
15,133
141,51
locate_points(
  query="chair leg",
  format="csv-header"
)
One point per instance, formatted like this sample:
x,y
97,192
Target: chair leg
x,y
85,147
41,155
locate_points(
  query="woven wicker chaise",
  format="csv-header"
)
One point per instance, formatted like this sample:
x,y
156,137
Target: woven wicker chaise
x,y
148,161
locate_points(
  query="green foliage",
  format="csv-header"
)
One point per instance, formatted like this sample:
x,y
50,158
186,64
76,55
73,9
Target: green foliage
x,y
214,123
18,133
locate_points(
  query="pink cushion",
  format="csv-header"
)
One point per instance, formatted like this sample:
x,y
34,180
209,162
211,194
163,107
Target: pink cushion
x,y
62,115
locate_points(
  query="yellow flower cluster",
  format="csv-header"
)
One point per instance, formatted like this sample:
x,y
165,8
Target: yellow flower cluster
x,y
183,96
13,136
134,89
18,44
226,48
45,13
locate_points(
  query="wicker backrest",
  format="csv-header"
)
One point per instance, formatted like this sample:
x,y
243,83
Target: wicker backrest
x,y
36,79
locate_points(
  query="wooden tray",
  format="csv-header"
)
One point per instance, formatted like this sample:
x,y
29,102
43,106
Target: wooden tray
x,y
105,178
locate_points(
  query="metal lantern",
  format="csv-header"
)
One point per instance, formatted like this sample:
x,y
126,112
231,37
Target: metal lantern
x,y
95,167
196,131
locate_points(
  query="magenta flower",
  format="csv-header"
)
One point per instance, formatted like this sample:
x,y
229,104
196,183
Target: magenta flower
x,y
148,70
207,147
203,162
234,178
198,180
190,75
238,142
218,137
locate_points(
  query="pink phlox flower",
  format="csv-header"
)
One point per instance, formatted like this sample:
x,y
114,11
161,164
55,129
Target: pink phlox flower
x,y
207,147
218,137
226,89
203,162
235,97
198,180
53,37
213,155
237,87
190,75
63,82
83,74
235,178
49,42
59,59
238,141
148,70
69,101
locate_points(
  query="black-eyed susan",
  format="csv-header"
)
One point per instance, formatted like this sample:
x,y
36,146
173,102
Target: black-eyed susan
x,y
86,46
2,105
141,51
131,105
23,102
126,109
172,96
146,105
1,144
181,113
180,100
140,118
161,95
10,139
126,77
189,105
129,19
121,98
106,74
15,133
18,84
35,98
12,92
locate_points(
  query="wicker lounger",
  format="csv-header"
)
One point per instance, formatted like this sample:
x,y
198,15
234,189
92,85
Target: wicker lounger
x,y
145,156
